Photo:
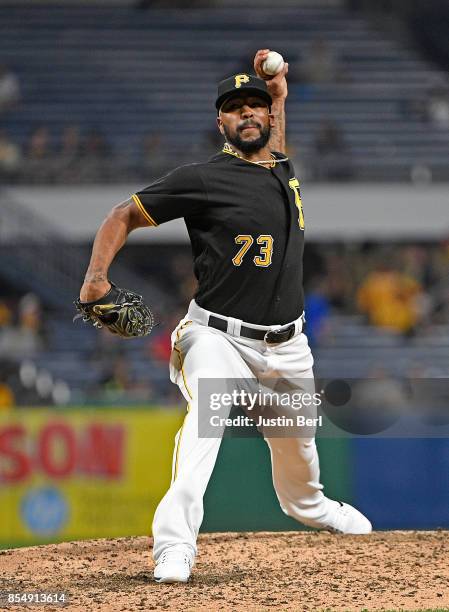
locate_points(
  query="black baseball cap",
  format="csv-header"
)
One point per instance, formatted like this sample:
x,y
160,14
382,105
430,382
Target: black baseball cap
x,y
242,83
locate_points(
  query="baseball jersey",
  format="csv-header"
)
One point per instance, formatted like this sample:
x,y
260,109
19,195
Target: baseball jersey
x,y
246,228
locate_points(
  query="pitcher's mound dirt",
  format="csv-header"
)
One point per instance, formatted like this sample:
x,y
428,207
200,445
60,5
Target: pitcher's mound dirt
x,y
244,571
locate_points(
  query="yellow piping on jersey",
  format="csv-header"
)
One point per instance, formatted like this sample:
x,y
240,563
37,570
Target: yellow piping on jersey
x,y
141,207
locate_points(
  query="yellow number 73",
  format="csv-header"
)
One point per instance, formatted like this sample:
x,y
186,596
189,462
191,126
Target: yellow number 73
x,y
266,250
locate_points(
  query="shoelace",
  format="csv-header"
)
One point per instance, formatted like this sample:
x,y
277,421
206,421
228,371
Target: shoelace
x,y
342,511
175,555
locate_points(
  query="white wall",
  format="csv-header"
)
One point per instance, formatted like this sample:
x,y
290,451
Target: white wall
x,y
379,212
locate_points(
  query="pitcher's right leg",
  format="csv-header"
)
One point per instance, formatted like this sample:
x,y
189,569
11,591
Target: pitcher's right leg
x,y
199,352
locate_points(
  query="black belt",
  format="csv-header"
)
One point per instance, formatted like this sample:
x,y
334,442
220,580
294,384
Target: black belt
x,y
271,337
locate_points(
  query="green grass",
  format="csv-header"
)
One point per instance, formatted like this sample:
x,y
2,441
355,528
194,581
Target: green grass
x,y
23,544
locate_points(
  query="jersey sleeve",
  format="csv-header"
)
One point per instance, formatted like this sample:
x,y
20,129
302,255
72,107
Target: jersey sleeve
x,y
180,193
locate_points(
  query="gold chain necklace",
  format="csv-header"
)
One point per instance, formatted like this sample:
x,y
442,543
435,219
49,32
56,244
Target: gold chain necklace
x,y
228,149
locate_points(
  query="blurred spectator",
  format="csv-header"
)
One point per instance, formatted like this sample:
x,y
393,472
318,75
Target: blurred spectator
x,y
439,290
10,155
339,269
25,339
38,146
414,260
159,344
317,310
96,146
70,145
116,383
9,88
438,107
5,314
108,348
116,380
69,154
30,313
332,156
7,399
96,159
39,163
389,298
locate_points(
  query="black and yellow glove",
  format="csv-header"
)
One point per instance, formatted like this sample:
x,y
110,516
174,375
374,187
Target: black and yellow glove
x,y
121,311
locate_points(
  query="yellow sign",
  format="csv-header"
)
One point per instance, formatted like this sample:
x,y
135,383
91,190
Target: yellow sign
x,y
82,474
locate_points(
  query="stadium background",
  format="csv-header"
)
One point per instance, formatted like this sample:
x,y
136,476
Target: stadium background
x,y
99,98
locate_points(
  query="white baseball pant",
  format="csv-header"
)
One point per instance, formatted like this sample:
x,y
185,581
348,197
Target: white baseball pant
x,y
200,352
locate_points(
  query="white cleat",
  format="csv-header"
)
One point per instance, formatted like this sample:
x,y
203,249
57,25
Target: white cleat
x,y
174,565
347,519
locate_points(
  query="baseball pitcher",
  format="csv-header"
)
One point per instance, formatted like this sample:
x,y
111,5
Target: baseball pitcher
x,y
244,215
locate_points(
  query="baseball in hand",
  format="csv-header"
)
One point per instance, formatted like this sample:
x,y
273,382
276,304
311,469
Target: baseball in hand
x,y
273,64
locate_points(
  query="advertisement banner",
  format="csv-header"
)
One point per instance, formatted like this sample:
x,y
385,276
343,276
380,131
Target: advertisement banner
x,y
82,474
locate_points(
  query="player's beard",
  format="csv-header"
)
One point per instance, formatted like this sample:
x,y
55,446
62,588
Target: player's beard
x,y
249,146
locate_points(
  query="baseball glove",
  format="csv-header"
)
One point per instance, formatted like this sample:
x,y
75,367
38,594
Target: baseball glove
x,y
121,311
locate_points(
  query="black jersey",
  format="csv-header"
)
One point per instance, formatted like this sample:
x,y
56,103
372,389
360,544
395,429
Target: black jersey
x,y
246,227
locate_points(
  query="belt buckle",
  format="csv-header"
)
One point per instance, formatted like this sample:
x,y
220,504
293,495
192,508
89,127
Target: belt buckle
x,y
265,338
290,329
